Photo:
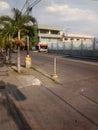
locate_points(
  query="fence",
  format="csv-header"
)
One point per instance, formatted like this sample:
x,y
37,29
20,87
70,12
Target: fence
x,y
88,48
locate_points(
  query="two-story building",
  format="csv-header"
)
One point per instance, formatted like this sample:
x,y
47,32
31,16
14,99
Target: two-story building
x,y
53,38
48,34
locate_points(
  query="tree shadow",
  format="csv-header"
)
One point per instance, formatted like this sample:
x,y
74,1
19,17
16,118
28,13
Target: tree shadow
x,y
2,71
2,59
1,62
2,88
15,92
12,90
2,85
8,91
16,114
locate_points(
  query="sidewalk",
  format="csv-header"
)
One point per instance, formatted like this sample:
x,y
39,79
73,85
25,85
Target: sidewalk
x,y
16,98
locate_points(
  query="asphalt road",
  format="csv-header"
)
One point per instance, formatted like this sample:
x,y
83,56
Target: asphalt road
x,y
68,70
70,105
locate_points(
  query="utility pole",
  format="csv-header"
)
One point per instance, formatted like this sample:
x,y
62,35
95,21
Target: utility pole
x,y
28,10
27,58
27,37
27,7
26,4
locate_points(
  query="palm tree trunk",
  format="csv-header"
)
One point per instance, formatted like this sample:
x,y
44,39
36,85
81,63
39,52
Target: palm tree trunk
x,y
10,49
18,57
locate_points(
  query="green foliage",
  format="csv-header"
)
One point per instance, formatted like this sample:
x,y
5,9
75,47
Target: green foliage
x,y
33,35
9,27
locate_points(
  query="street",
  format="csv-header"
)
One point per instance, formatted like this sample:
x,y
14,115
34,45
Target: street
x,y
67,70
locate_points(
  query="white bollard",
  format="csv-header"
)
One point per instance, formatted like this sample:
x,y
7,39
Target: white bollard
x,y
55,64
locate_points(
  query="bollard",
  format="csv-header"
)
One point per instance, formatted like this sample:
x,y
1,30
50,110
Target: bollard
x,y
28,61
54,74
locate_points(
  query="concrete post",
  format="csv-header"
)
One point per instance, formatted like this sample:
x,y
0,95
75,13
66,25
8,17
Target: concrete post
x,y
27,58
55,66
18,57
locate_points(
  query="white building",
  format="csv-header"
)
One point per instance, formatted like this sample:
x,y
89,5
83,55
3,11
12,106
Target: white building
x,y
48,34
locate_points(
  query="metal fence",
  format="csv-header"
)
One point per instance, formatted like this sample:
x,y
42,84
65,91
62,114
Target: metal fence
x,y
88,47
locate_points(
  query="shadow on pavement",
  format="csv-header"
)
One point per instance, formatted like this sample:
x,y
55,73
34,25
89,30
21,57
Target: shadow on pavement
x,y
12,90
15,92
16,114
8,91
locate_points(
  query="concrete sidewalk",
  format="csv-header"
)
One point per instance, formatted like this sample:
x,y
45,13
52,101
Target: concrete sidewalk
x,y
17,91
13,98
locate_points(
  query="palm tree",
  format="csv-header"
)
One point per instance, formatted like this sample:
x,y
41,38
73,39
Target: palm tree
x,y
17,26
5,32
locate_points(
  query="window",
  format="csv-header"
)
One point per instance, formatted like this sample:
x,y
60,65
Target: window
x,y
55,32
44,31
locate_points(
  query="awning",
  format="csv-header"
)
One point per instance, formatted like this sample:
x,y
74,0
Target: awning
x,y
43,43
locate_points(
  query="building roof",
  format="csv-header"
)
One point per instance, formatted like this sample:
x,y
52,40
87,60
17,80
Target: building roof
x,y
42,26
79,36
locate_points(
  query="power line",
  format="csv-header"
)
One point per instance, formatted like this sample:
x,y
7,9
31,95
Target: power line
x,y
30,6
35,3
23,6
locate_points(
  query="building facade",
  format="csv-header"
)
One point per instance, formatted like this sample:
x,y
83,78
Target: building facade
x,y
52,34
48,34
53,39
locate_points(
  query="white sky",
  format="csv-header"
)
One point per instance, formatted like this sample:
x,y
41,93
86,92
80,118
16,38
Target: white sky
x,y
75,16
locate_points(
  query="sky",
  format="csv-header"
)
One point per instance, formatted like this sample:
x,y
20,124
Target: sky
x,y
74,16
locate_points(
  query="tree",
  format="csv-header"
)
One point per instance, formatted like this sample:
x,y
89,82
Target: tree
x,y
5,33
16,26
